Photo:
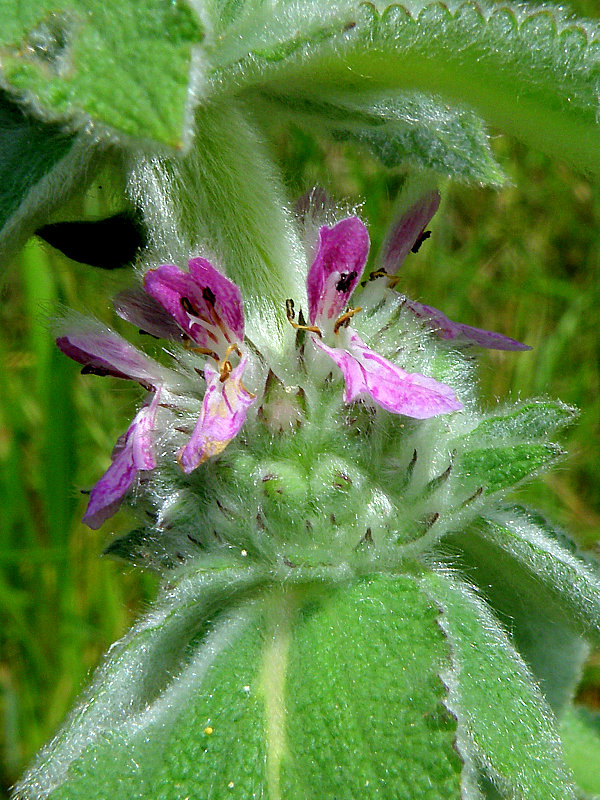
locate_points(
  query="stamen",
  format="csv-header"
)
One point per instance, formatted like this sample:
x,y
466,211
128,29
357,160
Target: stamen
x,y
345,318
225,368
190,309
225,365
215,321
420,239
233,348
209,296
381,273
187,306
289,312
203,351
377,273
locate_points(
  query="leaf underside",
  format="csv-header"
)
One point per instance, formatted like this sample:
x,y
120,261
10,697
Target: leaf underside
x,y
37,162
512,66
404,128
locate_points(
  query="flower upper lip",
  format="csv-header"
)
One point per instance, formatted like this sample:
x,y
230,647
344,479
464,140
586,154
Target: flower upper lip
x,y
336,269
405,235
206,305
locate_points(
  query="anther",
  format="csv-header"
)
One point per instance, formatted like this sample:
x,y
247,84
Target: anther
x,y
345,318
378,273
289,312
225,365
225,369
420,239
289,309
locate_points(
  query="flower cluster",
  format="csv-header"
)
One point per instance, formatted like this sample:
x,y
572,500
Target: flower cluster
x,y
202,310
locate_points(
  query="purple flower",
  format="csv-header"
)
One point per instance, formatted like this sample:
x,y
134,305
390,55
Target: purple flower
x,y
204,310
104,352
205,304
224,409
335,272
132,453
209,309
406,235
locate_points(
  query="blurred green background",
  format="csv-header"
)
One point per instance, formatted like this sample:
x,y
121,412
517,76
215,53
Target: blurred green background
x,y
522,261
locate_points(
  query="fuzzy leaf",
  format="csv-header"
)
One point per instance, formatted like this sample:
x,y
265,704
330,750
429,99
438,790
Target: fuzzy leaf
x,y
572,586
542,629
532,420
502,717
207,698
409,127
126,66
497,468
39,165
513,66
147,680
365,703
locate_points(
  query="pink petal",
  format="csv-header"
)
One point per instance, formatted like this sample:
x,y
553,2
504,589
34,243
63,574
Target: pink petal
x,y
215,302
103,352
143,311
447,329
337,268
224,411
400,392
133,453
407,230
228,298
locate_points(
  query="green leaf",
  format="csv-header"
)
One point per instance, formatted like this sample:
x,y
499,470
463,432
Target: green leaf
x,y
365,713
502,717
146,681
221,693
570,585
497,468
40,165
580,732
512,66
535,419
404,128
125,65
542,628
